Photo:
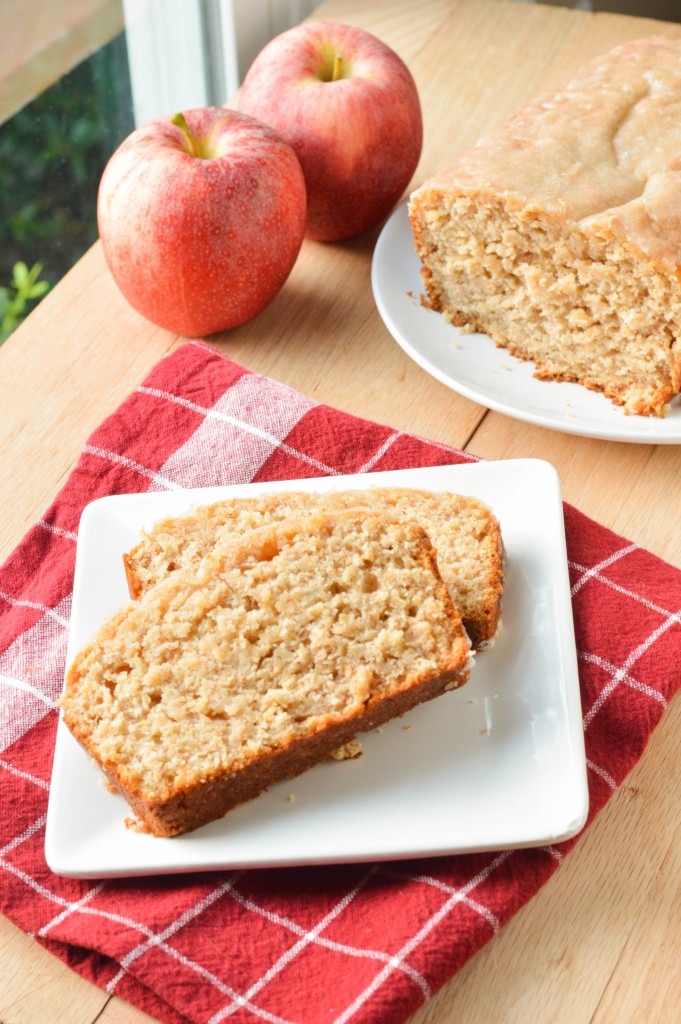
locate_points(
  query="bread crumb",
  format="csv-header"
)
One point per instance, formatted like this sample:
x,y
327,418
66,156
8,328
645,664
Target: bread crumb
x,y
348,752
291,798
137,826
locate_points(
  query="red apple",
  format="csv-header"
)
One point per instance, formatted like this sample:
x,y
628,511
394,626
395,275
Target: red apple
x,y
349,107
201,219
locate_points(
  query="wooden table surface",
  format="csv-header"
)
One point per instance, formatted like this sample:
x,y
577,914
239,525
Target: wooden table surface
x,y
601,942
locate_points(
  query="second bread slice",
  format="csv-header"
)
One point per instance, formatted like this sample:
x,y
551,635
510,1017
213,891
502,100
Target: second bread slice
x,y
464,531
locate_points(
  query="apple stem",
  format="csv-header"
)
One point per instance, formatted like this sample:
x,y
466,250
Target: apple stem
x,y
184,127
337,65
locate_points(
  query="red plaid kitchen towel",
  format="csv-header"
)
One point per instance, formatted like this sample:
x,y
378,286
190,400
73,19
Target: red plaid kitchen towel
x,y
361,943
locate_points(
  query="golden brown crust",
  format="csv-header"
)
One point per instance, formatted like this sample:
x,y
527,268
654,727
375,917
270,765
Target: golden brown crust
x,y
131,577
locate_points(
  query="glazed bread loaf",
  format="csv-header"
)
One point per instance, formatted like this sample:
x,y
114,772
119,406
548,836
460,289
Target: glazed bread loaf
x,y
463,530
559,233
276,652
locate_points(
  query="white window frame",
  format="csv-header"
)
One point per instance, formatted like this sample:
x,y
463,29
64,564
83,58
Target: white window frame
x,y
195,53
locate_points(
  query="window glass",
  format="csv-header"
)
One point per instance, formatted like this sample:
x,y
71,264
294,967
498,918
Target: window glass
x,y
52,154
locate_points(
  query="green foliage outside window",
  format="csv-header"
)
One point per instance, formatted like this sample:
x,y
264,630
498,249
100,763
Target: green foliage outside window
x,y
52,154
26,288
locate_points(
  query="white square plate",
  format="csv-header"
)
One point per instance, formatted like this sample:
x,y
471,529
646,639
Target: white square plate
x,y
497,764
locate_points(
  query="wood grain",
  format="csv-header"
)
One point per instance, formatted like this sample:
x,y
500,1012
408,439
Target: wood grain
x,y
601,943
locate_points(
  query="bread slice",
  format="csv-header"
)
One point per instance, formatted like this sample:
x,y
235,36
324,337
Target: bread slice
x,y
464,531
559,235
286,643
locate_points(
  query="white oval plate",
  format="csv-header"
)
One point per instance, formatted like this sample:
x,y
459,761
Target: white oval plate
x,y
473,365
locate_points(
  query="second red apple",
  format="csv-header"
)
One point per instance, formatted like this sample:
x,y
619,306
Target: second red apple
x,y
349,107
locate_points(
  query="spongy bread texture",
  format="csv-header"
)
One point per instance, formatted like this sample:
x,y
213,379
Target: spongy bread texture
x,y
464,531
283,646
559,233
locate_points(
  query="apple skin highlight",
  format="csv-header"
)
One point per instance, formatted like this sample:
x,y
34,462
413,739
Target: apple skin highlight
x,y
358,137
202,243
